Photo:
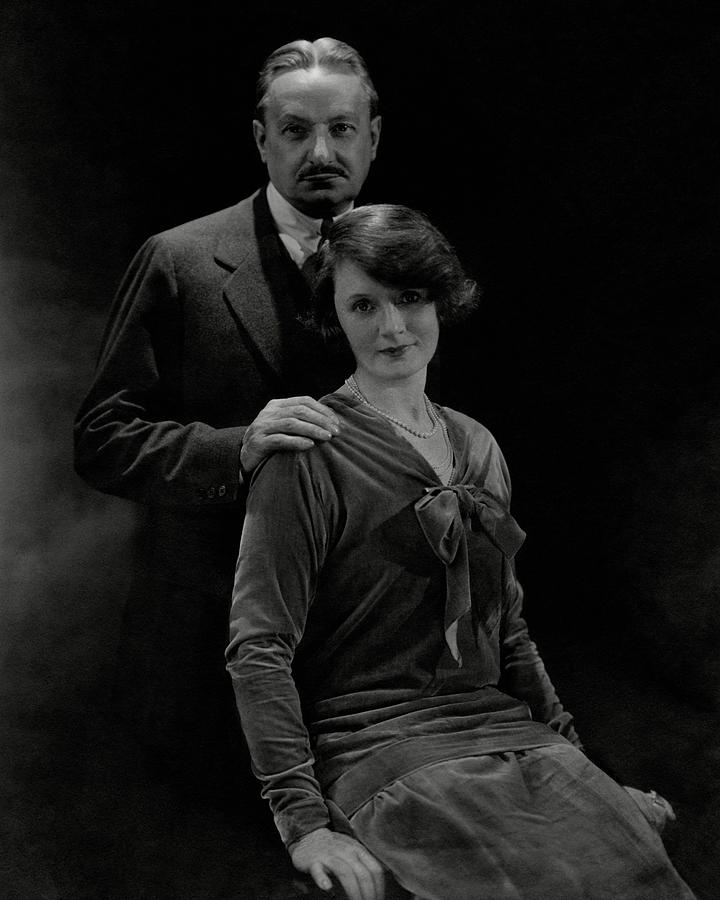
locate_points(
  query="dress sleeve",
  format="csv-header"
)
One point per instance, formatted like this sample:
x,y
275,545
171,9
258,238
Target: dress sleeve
x,y
523,673
128,437
281,552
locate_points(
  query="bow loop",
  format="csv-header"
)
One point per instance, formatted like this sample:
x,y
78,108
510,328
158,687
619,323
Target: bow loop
x,y
498,524
442,519
444,514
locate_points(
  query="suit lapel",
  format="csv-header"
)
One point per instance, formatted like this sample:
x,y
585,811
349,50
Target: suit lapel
x,y
252,251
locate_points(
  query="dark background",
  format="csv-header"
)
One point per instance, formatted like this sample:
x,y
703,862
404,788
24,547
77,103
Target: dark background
x,y
570,151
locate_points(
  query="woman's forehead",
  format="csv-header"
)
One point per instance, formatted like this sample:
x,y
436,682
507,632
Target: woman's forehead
x,y
350,278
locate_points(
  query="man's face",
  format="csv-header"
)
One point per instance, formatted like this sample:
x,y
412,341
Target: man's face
x,y
318,139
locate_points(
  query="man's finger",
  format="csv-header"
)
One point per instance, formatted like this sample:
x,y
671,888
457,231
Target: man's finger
x,y
305,400
285,442
324,417
276,420
292,425
312,415
254,451
312,408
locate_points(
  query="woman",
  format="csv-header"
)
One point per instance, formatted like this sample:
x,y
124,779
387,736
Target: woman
x,y
397,713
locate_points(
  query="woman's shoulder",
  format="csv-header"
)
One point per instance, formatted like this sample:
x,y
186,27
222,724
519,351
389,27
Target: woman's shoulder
x,y
337,401
474,429
484,458
315,464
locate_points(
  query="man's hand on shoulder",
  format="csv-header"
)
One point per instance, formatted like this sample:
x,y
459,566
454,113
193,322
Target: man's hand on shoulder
x,y
324,854
294,423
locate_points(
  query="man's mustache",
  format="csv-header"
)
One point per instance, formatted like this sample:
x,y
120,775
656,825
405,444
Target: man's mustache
x,y
311,171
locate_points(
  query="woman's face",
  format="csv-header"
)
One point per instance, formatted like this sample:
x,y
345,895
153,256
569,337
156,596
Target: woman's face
x,y
392,331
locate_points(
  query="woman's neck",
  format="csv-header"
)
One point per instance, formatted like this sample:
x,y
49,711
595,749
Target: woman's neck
x,y
404,398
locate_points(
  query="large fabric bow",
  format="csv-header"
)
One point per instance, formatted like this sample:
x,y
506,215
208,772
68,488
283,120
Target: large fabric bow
x,y
444,514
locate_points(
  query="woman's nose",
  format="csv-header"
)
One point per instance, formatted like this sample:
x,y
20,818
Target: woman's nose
x,y
393,321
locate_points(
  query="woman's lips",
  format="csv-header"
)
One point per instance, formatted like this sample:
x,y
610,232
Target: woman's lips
x,y
396,351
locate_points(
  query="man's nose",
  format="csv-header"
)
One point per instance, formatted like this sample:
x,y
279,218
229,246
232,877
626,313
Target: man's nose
x,y
392,321
320,150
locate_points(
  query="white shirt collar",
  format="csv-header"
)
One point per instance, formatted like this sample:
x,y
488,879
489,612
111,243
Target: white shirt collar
x,y
298,232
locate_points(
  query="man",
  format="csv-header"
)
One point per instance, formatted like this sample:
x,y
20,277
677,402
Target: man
x,y
202,340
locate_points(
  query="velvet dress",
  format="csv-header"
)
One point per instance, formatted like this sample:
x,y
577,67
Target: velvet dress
x,y
388,687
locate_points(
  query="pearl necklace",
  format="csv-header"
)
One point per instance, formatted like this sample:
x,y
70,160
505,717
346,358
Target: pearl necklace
x,y
447,462
354,389
447,466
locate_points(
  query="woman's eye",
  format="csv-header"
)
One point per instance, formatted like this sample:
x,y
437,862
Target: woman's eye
x,y
362,306
411,297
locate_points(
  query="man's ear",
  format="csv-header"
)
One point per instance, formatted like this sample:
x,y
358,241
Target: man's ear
x,y
259,135
375,126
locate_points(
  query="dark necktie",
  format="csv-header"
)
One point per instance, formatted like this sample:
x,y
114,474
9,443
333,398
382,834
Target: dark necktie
x,y
309,266
325,227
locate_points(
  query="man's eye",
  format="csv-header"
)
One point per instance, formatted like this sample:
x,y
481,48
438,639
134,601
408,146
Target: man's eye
x,y
342,128
294,130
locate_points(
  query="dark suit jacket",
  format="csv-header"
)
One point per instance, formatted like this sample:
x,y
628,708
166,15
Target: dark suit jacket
x,y
201,335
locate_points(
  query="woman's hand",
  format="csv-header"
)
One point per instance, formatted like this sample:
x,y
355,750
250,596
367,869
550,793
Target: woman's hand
x,y
323,853
294,423
656,809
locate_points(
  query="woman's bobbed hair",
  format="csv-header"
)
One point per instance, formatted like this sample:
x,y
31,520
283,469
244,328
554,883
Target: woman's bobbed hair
x,y
396,246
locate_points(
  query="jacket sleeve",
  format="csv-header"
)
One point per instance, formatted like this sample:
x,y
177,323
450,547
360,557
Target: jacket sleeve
x,y
523,673
130,439
281,553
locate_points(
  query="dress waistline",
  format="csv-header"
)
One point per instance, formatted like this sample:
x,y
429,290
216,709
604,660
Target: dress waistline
x,y
366,778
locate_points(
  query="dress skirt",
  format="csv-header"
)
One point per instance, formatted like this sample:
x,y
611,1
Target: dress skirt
x,y
539,824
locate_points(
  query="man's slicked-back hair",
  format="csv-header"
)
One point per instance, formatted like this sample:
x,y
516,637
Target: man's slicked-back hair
x,y
324,53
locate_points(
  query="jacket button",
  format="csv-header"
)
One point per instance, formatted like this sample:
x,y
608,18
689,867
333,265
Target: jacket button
x,y
222,490
211,493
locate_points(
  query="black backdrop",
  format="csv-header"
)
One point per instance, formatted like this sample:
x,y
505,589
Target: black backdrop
x,y
569,150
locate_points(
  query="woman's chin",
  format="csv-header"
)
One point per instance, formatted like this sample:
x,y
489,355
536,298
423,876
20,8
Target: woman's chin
x,y
395,366
394,372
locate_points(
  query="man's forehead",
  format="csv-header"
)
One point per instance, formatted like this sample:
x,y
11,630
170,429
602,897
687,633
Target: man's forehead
x,y
307,91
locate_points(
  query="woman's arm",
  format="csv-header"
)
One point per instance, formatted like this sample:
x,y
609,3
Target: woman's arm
x,y
281,553
523,672
282,760
272,722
